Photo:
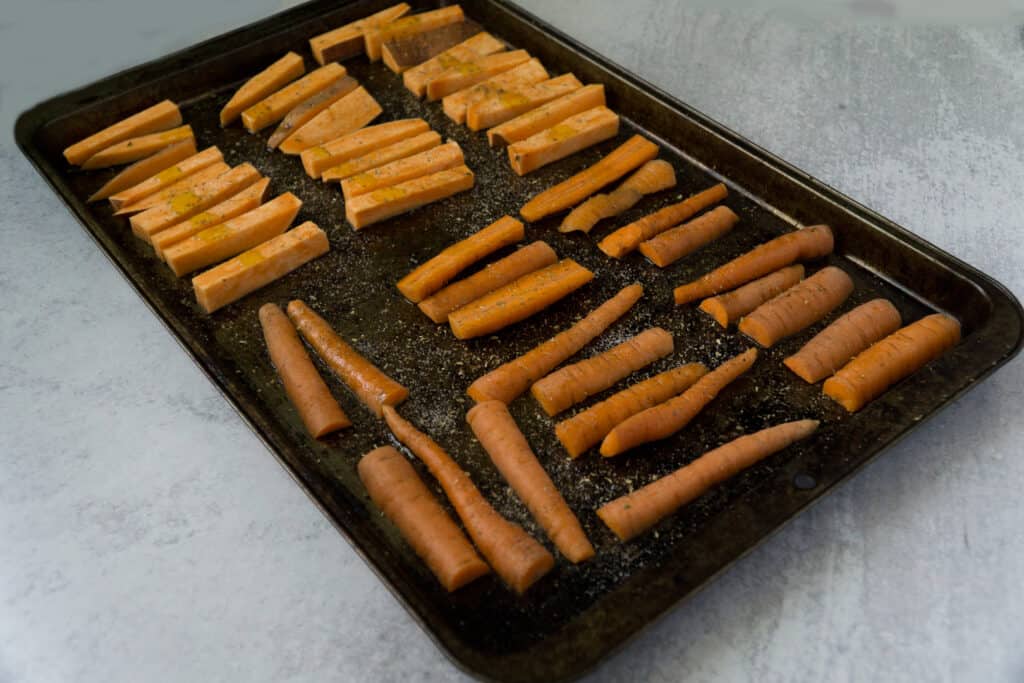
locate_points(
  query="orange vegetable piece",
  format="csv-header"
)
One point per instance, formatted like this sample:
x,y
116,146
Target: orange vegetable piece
x,y
243,202
654,176
145,169
402,54
800,306
137,148
456,104
186,184
387,202
504,106
379,157
480,45
161,116
316,160
347,41
564,139
427,162
305,111
270,80
731,306
414,24
350,113
464,74
547,115
165,179
275,107
672,245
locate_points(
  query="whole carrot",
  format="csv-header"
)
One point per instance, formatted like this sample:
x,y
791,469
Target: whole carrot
x,y
401,495
731,306
635,513
587,428
574,383
511,454
831,348
801,305
516,557
672,245
799,245
888,361
508,381
367,382
665,419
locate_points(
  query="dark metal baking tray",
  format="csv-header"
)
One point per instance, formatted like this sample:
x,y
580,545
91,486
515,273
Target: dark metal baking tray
x,y
577,614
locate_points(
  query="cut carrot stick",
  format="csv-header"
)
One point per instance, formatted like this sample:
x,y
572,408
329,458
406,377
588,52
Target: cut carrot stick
x,y
893,358
188,203
626,239
385,203
654,176
243,202
518,300
587,428
564,139
438,271
505,106
675,243
270,80
275,107
430,161
547,115
186,184
456,104
376,36
631,154
347,41
498,433
574,383
307,110
800,306
731,306
799,245
137,148
402,54
144,169
833,347
515,556
635,513
350,113
385,155
318,159
401,495
258,267
161,116
480,45
367,382
233,236
465,74
506,382
665,419
495,275
165,179
305,388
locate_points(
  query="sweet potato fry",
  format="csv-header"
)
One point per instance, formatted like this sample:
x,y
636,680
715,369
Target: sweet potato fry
x,y
350,113
480,45
384,155
440,158
564,139
503,106
675,243
161,116
376,36
273,78
527,73
654,176
380,205
402,54
306,110
144,169
165,178
465,74
275,107
243,202
185,184
137,148
547,115
347,41
318,159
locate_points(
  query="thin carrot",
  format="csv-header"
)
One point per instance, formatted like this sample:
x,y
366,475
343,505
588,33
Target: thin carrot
x,y
511,379
587,428
523,261
673,244
654,176
518,300
635,513
367,382
731,306
834,346
516,557
626,239
302,383
888,361
798,307
799,245
574,383
665,419
511,454
631,154
402,496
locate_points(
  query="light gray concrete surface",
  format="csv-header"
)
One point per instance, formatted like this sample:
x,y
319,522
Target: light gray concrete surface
x,y
146,535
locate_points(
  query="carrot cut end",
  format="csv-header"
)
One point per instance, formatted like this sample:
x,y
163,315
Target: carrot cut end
x,y
716,310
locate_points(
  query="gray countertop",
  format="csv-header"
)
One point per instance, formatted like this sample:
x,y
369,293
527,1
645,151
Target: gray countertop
x,y
147,535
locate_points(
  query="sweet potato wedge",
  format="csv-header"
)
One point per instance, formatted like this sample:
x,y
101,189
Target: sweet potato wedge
x,y
304,112
275,107
465,74
546,115
270,80
404,53
385,155
243,202
351,112
318,159
165,178
201,176
480,45
563,139
430,161
144,169
137,148
376,36
379,205
527,73
347,41
501,107
161,116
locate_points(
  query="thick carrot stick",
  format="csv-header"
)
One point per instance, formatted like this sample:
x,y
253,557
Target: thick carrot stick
x,y
511,379
587,428
731,306
799,245
160,116
511,454
834,346
665,419
631,154
888,361
302,383
516,557
526,260
654,176
574,383
438,271
635,513
145,169
626,239
518,300
798,307
673,244
367,382
401,495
